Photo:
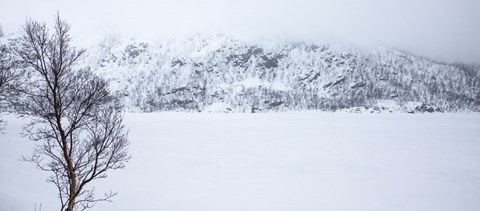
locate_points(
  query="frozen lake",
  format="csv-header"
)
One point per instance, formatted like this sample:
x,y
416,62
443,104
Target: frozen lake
x,y
302,161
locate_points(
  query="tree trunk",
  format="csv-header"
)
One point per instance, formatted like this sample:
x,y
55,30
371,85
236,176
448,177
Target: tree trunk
x,y
73,180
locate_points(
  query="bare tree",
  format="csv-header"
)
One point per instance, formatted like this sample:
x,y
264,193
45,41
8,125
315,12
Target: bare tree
x,y
77,126
8,75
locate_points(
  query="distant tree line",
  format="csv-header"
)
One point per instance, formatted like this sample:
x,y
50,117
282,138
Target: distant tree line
x,y
299,76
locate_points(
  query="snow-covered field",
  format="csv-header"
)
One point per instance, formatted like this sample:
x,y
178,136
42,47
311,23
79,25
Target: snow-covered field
x,y
304,161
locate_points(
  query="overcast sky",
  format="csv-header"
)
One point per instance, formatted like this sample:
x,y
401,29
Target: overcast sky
x,y
444,29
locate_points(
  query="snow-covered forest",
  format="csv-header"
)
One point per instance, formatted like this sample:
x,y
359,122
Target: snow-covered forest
x,y
223,74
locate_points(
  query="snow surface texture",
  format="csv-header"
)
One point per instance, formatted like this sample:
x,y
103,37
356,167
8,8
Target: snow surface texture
x,y
200,72
278,162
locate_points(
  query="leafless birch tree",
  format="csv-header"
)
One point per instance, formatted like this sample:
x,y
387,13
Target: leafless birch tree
x,y
78,128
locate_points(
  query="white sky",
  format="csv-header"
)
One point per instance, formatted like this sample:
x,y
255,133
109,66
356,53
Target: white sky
x,y
444,29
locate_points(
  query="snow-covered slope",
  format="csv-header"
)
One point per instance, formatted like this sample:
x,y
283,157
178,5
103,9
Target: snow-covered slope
x,y
220,73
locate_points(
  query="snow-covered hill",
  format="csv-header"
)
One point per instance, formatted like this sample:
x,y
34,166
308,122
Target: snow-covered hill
x,y
223,74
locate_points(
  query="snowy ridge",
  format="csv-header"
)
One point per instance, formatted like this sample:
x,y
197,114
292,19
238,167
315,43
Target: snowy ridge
x,y
199,73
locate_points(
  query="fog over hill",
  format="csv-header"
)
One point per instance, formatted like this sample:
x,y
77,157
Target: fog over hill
x,y
442,29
